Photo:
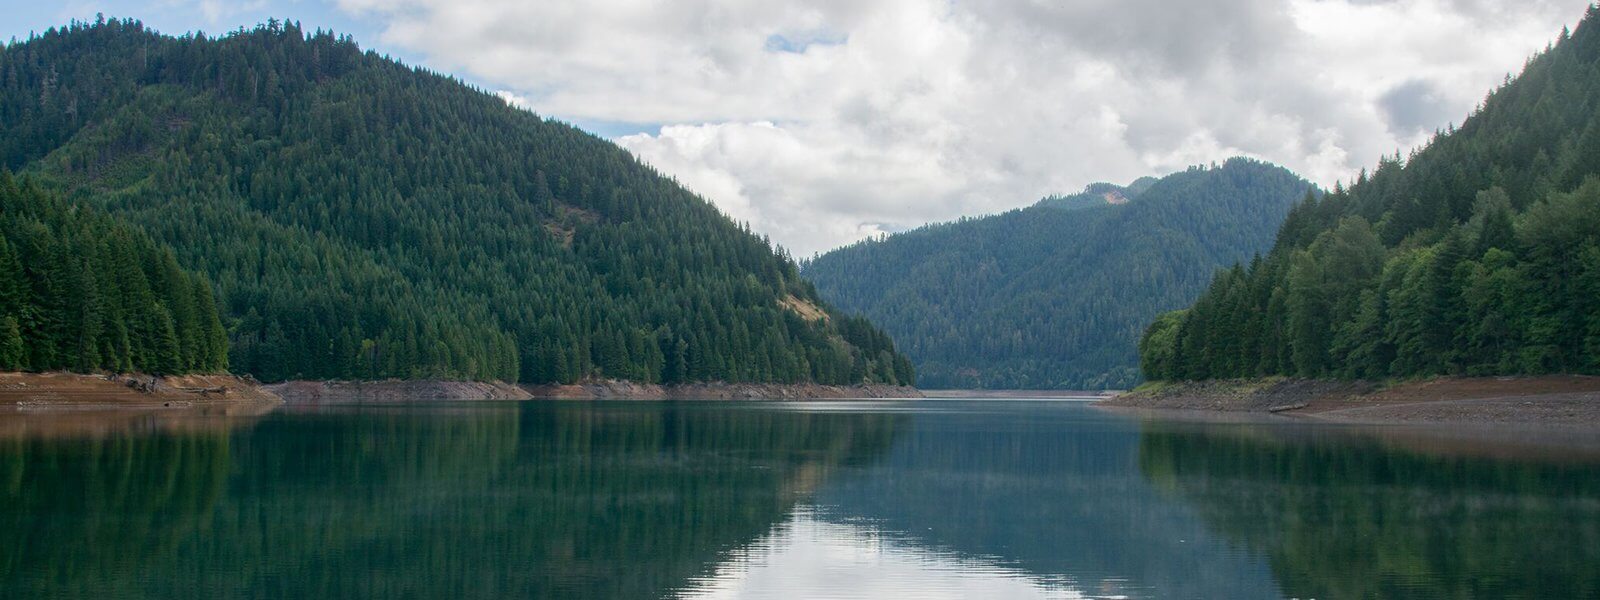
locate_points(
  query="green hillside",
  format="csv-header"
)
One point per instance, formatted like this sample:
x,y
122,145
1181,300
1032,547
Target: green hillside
x,y
80,291
365,219
1055,295
1479,254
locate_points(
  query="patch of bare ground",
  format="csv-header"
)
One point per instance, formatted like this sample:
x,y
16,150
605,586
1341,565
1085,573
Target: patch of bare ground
x,y
393,390
47,391
390,391
564,225
806,310
1276,394
627,390
1019,394
1555,400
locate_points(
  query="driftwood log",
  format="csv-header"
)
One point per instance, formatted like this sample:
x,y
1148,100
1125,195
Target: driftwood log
x,y
221,389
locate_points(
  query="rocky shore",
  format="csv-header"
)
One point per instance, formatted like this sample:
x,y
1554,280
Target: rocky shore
x,y
626,390
355,392
46,391
1560,400
393,390
1247,395
42,391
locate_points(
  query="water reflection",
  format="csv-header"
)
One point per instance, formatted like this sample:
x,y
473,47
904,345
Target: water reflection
x,y
1050,500
776,500
1048,489
811,557
1350,515
541,500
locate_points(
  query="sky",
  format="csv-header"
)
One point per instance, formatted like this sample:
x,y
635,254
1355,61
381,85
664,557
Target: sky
x,y
826,122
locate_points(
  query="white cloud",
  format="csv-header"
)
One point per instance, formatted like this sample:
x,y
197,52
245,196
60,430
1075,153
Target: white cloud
x,y
515,99
825,122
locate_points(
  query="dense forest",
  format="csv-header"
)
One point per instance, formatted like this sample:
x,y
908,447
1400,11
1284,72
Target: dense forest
x,y
1479,254
1055,295
79,291
364,219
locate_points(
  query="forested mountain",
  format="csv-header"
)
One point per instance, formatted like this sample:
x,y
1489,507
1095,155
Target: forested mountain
x,y
364,219
80,291
1056,294
1478,255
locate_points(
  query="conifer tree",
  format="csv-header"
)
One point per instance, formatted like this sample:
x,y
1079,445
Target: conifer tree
x,y
12,351
1488,237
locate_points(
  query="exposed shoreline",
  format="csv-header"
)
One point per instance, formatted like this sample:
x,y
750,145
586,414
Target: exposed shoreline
x,y
392,390
625,390
1019,394
356,392
79,392
32,392
1565,401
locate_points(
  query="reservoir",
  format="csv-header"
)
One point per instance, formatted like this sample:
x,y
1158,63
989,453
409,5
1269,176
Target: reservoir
x,y
947,498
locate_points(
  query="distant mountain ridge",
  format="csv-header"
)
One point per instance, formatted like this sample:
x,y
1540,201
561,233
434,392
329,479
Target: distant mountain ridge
x,y
362,219
1055,295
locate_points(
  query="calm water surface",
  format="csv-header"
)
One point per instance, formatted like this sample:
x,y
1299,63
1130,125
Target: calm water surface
x,y
925,499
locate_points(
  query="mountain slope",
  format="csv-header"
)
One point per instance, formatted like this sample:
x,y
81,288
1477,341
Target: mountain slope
x,y
364,219
1479,255
1055,295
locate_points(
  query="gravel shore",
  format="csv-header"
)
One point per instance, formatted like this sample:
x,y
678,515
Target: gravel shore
x,y
1559,400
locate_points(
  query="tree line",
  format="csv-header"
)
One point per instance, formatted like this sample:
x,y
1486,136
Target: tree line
x,y
79,291
1477,255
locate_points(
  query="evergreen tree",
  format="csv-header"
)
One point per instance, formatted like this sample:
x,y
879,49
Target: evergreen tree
x,y
12,351
1489,241
72,298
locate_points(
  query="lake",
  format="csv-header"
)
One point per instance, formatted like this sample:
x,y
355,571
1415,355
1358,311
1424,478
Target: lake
x,y
900,499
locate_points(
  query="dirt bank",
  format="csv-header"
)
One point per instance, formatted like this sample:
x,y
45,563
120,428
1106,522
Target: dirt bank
x,y
1019,394
626,390
393,390
1247,395
1566,400
32,392
357,392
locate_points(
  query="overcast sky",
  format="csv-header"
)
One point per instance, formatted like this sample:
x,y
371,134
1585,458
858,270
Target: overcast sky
x,y
825,122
